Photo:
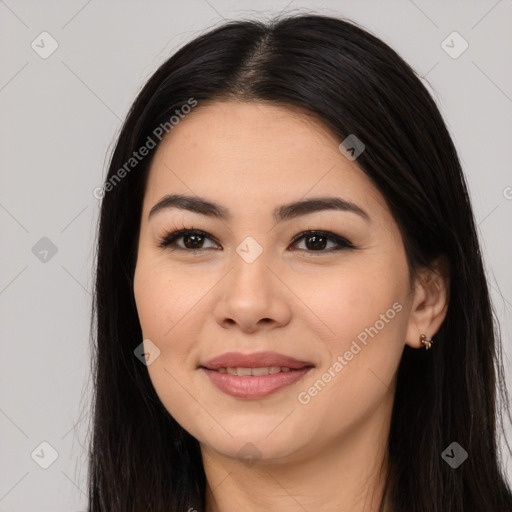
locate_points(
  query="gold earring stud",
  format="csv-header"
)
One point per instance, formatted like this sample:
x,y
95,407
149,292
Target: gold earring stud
x,y
426,341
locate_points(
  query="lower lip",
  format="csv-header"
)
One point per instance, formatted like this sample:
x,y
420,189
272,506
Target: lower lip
x,y
254,386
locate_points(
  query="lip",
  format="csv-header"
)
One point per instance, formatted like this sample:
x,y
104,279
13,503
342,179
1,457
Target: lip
x,y
253,387
256,360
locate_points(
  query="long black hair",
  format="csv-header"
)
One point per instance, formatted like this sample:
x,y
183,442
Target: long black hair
x,y
140,457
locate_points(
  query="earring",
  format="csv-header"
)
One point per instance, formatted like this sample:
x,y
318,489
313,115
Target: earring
x,y
426,341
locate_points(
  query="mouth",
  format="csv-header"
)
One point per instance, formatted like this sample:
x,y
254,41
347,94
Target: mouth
x,y
255,372
258,361
252,376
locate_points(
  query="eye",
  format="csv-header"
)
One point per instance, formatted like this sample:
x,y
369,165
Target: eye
x,y
193,239
315,241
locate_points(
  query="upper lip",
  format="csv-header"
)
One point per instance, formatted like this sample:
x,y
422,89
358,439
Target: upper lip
x,y
256,360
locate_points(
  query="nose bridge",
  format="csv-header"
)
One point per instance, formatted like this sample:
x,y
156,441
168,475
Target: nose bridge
x,y
251,291
251,269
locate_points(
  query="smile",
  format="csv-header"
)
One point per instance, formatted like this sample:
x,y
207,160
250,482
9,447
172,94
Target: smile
x,y
254,375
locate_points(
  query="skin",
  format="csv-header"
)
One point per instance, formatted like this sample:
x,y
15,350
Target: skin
x,y
252,157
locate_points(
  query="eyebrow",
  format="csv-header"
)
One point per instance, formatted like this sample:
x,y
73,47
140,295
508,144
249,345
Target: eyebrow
x,y
285,212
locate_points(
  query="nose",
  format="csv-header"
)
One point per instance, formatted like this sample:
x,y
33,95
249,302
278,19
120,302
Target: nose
x,y
252,297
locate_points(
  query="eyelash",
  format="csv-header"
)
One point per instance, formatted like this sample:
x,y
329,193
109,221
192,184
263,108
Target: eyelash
x,y
172,237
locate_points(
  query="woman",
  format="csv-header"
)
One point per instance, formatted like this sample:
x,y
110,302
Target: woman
x,y
292,312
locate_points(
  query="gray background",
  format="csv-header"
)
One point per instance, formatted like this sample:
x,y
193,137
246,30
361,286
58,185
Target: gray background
x,y
60,115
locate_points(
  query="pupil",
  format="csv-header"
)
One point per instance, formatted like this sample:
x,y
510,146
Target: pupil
x,y
316,244
194,245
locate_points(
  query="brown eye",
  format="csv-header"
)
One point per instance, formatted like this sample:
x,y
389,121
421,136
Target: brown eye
x,y
193,240
316,241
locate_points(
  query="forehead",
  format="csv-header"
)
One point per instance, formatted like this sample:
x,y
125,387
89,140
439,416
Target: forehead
x,y
247,153
234,131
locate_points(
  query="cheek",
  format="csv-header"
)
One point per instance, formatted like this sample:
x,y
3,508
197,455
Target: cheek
x,y
162,296
172,306
351,300
365,311
169,306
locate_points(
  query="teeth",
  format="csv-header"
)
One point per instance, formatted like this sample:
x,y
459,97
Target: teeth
x,y
260,371
246,372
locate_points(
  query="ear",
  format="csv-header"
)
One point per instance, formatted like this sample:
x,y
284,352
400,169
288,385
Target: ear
x,y
430,302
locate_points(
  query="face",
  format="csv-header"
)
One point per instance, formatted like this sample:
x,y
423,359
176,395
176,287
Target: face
x,y
326,286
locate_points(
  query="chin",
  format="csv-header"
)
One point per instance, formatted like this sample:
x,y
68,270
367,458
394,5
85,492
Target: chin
x,y
253,445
